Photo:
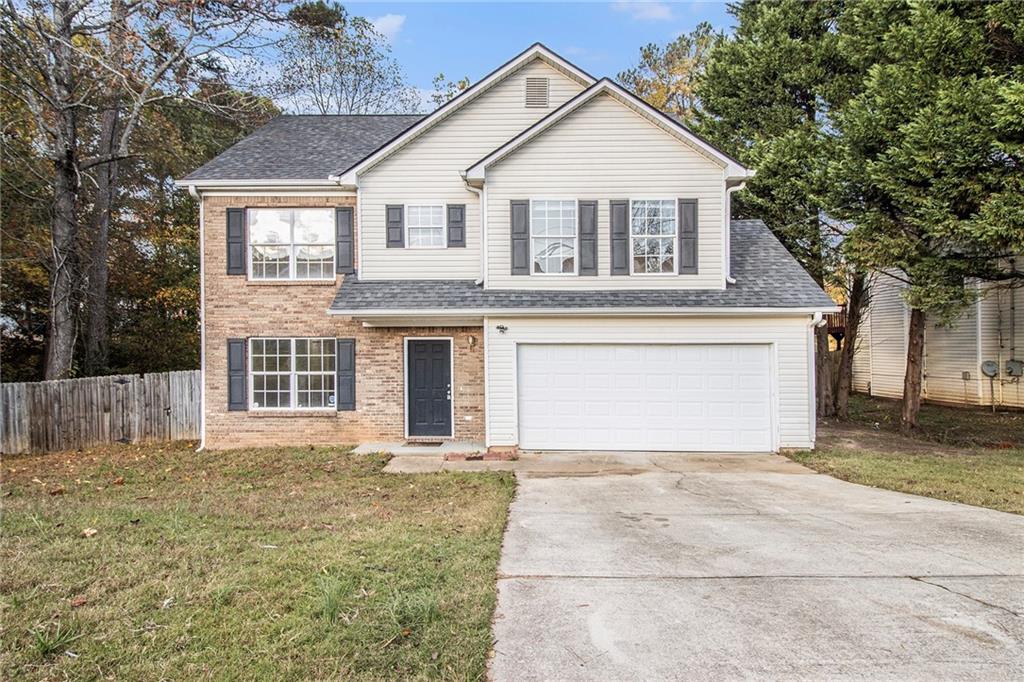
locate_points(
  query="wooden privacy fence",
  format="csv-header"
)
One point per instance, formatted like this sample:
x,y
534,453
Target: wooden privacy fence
x,y
47,416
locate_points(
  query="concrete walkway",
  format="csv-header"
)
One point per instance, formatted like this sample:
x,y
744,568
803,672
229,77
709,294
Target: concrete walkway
x,y
682,567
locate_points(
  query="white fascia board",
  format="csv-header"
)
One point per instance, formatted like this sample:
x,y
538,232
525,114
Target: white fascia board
x,y
349,176
693,311
248,184
733,169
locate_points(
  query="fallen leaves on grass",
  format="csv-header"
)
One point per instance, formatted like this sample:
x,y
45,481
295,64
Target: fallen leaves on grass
x,y
89,532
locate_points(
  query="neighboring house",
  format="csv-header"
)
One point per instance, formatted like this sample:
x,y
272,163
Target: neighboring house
x,y
991,330
544,262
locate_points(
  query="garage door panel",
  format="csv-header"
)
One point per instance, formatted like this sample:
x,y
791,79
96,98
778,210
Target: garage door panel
x,y
644,397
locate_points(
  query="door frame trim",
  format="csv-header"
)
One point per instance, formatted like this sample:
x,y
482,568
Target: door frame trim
x,y
405,380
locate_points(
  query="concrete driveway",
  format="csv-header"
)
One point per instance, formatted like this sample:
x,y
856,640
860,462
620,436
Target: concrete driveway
x,y
688,568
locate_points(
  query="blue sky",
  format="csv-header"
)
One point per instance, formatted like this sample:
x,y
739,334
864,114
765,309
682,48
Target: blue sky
x,y
472,38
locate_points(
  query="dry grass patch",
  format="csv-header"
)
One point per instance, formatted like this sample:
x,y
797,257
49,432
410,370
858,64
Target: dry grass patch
x,y
251,564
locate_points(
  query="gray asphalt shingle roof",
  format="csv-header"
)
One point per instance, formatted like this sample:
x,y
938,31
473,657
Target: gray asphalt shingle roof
x,y
303,147
767,276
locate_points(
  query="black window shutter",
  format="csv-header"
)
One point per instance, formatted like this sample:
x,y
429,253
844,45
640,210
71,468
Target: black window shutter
x,y
618,217
394,218
236,241
519,211
345,383
237,398
344,234
588,237
456,225
687,236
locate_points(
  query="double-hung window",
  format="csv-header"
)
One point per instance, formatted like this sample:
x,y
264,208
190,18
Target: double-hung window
x,y
553,237
292,373
652,235
291,243
425,226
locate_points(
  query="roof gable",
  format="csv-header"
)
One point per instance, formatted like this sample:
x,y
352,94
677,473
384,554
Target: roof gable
x,y
733,168
349,175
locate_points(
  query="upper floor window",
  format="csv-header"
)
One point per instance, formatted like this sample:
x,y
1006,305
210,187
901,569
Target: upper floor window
x,y
425,227
292,373
652,236
553,236
291,243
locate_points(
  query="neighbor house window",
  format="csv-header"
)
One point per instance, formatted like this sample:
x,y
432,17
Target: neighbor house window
x,y
291,243
292,373
652,235
553,237
425,225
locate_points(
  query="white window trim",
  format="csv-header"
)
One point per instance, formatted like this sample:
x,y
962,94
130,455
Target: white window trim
x,y
675,240
292,267
444,223
575,239
291,249
293,373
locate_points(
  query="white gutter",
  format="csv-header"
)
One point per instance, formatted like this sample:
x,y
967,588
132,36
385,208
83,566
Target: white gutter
x,y
817,320
728,229
202,318
482,194
243,184
691,311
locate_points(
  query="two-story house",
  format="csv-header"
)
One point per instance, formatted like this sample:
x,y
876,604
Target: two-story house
x,y
545,262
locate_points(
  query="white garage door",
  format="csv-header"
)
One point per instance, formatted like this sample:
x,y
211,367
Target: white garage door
x,y
704,398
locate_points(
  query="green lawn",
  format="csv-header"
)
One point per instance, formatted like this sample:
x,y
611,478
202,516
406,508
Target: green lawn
x,y
964,455
249,564
993,479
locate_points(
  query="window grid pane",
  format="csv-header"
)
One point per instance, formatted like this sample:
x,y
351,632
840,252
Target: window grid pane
x,y
553,236
653,235
425,225
293,243
292,373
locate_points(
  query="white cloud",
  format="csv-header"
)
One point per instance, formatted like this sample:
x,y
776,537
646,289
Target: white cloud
x,y
644,11
389,25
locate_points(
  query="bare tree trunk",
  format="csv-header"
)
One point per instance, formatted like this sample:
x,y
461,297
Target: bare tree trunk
x,y
823,370
915,366
855,305
60,342
97,332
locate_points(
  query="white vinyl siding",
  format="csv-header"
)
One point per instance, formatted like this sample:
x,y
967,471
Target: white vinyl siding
x,y
605,151
787,337
428,169
980,333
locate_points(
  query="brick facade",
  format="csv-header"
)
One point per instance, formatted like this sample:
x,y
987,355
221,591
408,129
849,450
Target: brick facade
x,y
238,308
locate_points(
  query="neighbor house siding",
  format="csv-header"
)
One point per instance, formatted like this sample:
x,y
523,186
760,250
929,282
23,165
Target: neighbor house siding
x,y
605,151
981,332
238,308
429,169
788,335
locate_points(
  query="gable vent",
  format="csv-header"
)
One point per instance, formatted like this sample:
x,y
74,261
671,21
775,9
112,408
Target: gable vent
x,y
537,92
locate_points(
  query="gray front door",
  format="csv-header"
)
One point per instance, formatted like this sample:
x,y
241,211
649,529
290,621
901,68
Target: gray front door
x,y
429,391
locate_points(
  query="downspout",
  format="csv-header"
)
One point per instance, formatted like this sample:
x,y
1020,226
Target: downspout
x,y
728,229
482,194
202,318
817,320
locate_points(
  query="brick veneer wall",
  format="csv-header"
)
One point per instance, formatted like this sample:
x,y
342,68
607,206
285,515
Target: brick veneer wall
x,y
238,308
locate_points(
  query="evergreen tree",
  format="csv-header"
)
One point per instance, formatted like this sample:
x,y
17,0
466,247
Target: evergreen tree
x,y
766,98
930,169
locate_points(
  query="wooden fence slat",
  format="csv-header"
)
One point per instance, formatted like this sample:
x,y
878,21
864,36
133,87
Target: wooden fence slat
x,y
69,414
